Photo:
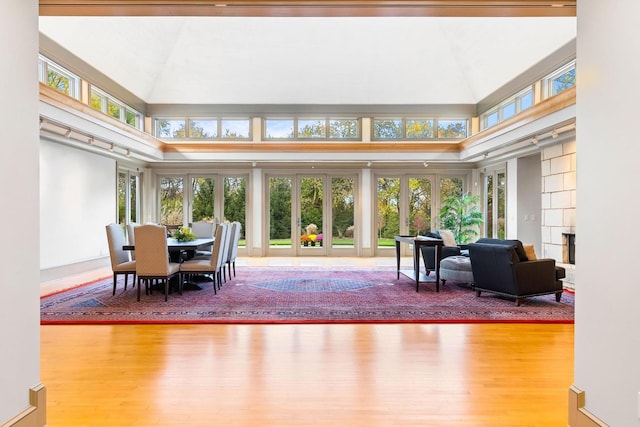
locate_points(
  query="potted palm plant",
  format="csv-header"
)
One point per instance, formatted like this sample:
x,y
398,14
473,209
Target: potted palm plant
x,y
461,215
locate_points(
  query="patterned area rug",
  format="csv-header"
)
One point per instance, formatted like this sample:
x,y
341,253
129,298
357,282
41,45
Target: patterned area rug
x,y
301,295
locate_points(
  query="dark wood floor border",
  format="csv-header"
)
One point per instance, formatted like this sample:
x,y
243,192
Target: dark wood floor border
x,y
36,414
578,415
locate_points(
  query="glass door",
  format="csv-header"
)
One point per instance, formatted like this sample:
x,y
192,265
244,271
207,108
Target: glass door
x,y
311,215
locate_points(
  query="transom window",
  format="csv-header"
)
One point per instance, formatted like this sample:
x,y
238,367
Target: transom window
x,y
418,128
561,80
311,128
58,78
508,108
101,101
208,128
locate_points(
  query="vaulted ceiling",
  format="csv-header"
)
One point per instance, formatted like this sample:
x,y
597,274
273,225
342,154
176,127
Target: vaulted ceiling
x,y
310,59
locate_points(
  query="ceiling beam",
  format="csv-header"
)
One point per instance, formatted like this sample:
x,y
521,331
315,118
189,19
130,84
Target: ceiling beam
x,y
301,8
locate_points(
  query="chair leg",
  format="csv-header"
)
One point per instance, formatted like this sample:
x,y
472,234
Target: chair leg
x,y
126,280
115,277
166,289
234,269
558,296
138,288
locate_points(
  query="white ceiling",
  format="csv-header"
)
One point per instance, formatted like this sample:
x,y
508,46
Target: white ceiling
x,y
267,60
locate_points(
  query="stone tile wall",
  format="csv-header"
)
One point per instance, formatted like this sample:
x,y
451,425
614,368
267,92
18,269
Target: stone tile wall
x,y
558,201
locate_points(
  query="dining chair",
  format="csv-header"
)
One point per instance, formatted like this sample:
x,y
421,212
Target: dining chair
x,y
202,230
153,257
131,237
225,250
233,247
211,266
121,262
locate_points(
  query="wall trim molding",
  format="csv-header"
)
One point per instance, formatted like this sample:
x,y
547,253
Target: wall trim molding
x,y
578,415
36,414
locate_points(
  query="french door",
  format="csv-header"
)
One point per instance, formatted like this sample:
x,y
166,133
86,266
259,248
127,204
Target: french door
x,y
310,215
409,205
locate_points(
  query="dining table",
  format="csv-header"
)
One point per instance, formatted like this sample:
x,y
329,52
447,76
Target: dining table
x,y
177,248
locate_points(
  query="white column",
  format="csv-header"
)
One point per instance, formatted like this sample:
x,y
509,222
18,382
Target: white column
x,y
19,259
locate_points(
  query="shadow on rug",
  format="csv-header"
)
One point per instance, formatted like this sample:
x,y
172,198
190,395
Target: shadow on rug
x,y
301,295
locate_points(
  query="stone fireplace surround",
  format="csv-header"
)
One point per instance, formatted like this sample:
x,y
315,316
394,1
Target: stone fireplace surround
x,y
559,204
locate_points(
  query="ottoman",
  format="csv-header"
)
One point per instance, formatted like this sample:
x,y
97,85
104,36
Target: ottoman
x,y
457,269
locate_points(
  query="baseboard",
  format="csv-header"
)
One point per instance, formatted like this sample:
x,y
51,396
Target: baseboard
x,y
578,415
69,270
36,414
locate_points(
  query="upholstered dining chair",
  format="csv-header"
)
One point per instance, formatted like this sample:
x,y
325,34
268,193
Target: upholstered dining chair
x,y
225,250
131,237
152,257
233,247
204,230
121,262
212,265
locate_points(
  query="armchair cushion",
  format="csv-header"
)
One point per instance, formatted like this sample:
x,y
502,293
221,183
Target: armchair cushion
x,y
449,249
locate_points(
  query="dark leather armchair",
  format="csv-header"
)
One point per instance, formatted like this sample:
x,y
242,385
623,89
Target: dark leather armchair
x,y
502,267
429,252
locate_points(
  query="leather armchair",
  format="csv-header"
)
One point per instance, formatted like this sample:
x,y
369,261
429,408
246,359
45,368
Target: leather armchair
x,y
429,252
501,267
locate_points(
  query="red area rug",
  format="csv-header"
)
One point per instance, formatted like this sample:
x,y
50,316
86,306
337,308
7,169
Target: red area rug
x,y
301,295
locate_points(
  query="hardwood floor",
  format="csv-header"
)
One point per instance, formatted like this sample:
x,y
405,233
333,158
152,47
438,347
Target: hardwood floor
x,y
308,375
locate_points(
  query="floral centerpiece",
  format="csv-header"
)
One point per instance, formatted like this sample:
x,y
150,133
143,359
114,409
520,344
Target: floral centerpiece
x,y
305,239
183,234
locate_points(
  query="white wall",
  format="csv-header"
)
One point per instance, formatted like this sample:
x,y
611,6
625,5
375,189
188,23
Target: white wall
x,y
529,189
607,342
77,200
19,283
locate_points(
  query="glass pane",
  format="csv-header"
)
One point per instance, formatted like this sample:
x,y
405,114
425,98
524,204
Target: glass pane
x,y
171,200
133,197
343,212
387,129
526,101
311,129
343,128
171,128
492,119
453,129
489,212
450,187
501,204
419,206
203,191
276,128
203,128
59,81
509,110
564,82
113,109
235,203
96,101
280,211
388,215
131,118
235,128
311,202
419,128
122,198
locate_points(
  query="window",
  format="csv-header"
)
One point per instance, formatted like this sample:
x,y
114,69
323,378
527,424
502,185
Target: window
x,y
507,108
278,128
419,129
387,129
452,129
58,78
101,101
205,128
561,80
128,197
311,128
344,129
